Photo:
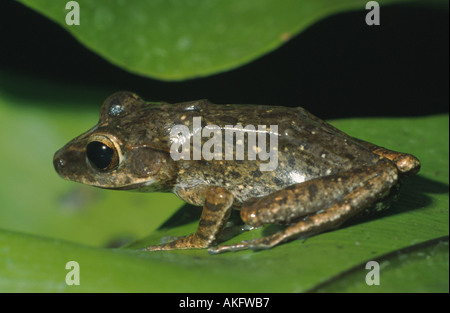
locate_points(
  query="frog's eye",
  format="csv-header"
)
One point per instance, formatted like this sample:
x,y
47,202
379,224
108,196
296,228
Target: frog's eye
x,y
102,156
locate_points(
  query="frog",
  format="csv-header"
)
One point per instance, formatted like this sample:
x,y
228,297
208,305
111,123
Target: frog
x,y
323,178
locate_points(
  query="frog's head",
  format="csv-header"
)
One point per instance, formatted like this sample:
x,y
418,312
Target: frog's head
x,y
110,155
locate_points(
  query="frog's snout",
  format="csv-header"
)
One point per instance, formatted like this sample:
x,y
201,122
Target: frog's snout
x,y
64,161
59,162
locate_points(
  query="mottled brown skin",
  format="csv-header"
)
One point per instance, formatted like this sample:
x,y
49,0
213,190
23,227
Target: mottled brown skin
x,y
324,177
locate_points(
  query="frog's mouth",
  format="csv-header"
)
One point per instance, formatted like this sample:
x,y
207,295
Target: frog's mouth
x,y
148,185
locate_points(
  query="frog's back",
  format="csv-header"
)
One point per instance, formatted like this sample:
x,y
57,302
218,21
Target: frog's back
x,y
307,148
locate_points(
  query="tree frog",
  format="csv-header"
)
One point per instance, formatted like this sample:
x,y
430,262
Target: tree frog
x,y
322,178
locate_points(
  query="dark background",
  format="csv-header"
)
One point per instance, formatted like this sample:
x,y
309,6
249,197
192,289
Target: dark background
x,y
339,67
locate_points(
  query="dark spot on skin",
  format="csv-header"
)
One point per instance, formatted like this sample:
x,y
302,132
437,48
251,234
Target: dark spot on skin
x,y
359,171
127,180
206,223
277,181
312,189
143,135
349,156
282,202
235,174
214,207
227,119
256,173
291,162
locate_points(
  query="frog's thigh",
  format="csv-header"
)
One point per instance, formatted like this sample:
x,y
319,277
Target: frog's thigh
x,y
337,198
216,211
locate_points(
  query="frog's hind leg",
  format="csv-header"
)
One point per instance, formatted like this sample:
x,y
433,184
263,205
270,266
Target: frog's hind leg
x,y
324,203
407,164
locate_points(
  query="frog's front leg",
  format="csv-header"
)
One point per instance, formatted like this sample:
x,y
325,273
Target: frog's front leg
x,y
317,205
216,211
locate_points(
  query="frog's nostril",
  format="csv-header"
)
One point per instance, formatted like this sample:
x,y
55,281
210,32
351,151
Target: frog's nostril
x,y
58,162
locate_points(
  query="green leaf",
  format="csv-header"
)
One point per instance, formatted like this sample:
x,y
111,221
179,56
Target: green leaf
x,y
182,39
47,222
418,268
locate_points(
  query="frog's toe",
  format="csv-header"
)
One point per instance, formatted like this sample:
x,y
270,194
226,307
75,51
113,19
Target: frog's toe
x,y
164,244
153,248
255,244
228,248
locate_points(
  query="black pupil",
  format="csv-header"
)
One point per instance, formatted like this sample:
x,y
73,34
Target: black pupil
x,y
99,154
